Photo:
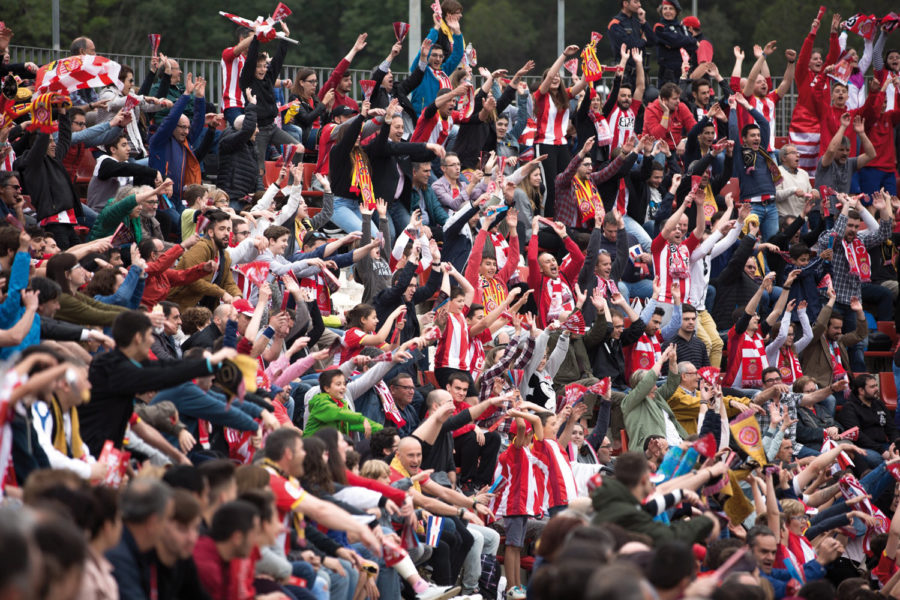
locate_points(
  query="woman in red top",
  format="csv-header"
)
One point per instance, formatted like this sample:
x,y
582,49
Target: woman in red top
x,y
551,113
361,324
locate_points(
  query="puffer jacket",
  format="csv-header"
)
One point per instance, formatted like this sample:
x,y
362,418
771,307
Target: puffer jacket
x,y
238,174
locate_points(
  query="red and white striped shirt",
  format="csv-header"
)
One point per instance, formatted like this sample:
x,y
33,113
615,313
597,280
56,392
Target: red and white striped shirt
x,y
431,128
621,122
552,123
65,217
453,347
8,161
475,356
560,480
767,107
520,494
231,65
644,353
663,263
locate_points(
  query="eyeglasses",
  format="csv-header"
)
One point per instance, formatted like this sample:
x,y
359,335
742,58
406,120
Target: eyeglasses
x,y
79,123
15,187
605,446
772,380
182,127
689,373
405,387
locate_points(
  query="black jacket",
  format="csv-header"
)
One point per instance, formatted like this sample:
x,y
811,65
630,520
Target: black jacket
x,y
45,179
401,91
609,359
205,338
474,132
340,169
386,156
238,174
875,428
671,37
734,287
263,89
115,379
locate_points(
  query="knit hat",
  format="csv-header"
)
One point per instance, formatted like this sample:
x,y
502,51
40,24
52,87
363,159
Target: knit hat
x,y
691,21
674,4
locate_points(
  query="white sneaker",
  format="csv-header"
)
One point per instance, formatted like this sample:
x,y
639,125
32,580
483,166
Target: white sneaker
x,y
473,596
516,593
439,592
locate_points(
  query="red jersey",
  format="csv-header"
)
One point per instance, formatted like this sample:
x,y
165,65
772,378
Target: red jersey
x,y
880,129
551,122
231,65
559,480
431,128
351,345
288,496
519,494
621,123
453,347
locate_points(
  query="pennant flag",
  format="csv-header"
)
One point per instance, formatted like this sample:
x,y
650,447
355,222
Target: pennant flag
x,y
117,462
685,57
709,374
688,461
288,152
842,71
590,66
572,66
155,39
433,530
77,73
281,12
851,434
595,37
573,393
436,9
400,30
331,280
575,323
745,429
257,272
392,553
706,445
122,236
864,25
465,105
408,536
131,102
367,86
844,461
471,55
594,482
602,387
668,465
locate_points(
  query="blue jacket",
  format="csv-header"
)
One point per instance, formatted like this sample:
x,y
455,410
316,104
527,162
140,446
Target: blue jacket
x,y
128,294
193,403
131,567
427,91
779,578
759,180
168,156
11,309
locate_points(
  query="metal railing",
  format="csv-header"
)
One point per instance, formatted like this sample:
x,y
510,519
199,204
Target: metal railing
x,y
211,71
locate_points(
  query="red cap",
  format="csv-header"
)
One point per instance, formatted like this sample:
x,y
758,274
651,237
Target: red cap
x,y
514,428
243,307
691,21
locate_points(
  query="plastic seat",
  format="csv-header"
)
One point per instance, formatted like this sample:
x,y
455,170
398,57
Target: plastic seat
x,y
888,388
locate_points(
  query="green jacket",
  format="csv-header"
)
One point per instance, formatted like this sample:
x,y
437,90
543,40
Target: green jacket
x,y
646,416
112,215
614,503
81,309
324,412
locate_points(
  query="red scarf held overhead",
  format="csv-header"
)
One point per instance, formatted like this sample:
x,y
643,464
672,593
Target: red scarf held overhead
x,y
858,258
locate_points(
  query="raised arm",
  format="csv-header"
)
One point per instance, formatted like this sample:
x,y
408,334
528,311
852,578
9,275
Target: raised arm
x,y
568,53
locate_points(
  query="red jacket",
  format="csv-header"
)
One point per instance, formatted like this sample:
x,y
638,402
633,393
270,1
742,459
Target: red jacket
x,y
339,98
161,277
680,122
232,580
880,129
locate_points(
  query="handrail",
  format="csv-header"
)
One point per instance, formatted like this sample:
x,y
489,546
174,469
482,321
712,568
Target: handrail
x,y
211,71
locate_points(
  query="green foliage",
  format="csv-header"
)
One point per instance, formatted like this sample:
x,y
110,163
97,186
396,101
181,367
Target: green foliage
x,y
505,32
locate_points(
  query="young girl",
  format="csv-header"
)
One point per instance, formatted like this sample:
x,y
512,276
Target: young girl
x,y
197,198
783,352
551,112
361,324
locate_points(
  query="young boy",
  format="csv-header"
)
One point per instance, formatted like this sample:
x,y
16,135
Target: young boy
x,y
812,270
559,483
519,497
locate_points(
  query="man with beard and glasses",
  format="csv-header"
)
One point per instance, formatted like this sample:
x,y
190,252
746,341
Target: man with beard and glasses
x,y
217,285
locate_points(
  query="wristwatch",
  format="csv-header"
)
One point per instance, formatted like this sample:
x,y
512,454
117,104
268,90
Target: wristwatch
x,y
461,512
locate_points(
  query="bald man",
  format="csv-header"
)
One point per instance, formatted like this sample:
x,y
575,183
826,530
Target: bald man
x,y
462,528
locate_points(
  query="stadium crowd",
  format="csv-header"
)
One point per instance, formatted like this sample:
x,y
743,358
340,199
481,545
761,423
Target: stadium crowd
x,y
455,335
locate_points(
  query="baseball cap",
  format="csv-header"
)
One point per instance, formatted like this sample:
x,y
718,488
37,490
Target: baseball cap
x,y
342,111
243,307
691,21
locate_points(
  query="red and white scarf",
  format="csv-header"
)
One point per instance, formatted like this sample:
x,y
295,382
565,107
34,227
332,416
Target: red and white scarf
x,y
646,351
388,404
559,298
678,266
858,258
837,367
788,365
753,360
443,79
501,247
607,287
